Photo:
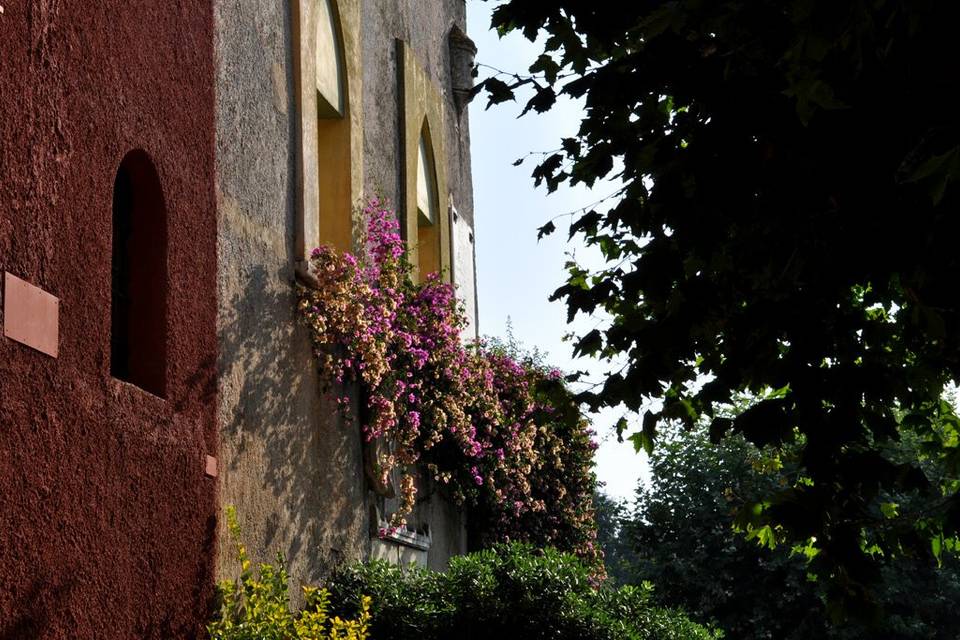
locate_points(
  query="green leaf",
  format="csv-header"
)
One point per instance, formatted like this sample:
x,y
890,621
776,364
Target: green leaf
x,y
589,344
641,442
766,537
541,101
498,91
547,65
621,427
937,172
889,510
546,230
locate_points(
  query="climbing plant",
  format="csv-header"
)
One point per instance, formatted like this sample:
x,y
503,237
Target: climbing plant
x,y
496,430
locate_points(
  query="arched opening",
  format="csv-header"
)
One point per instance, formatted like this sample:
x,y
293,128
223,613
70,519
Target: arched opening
x,y
329,62
428,214
333,133
426,217
138,304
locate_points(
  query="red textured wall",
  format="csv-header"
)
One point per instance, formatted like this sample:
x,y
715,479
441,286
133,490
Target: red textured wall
x,y
107,521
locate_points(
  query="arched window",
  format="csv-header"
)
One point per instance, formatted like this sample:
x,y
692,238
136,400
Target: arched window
x,y
138,337
428,214
425,212
333,134
326,182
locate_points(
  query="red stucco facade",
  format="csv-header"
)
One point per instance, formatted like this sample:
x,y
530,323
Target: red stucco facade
x,y
107,518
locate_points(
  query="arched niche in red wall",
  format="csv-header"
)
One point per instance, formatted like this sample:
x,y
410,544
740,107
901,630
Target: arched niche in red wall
x,y
138,338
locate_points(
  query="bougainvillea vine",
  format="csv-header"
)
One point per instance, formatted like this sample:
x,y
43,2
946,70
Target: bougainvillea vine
x,y
497,430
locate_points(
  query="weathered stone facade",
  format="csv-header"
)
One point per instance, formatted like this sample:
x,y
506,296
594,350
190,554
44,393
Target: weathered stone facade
x,y
112,489
289,464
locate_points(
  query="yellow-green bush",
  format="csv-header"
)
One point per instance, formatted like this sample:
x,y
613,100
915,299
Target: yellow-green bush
x,y
256,606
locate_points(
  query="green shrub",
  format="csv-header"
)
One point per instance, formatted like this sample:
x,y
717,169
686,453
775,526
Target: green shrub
x,y
507,591
257,606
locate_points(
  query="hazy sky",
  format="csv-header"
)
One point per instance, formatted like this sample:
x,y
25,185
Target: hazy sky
x,y
516,274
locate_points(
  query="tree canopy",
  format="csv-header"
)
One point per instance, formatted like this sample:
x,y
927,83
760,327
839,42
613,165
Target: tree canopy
x,y
786,230
682,539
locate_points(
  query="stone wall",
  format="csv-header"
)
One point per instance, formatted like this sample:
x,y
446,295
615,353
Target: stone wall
x,y
107,519
109,522
289,464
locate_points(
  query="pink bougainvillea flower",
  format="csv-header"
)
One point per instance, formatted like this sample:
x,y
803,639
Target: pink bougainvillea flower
x,y
475,418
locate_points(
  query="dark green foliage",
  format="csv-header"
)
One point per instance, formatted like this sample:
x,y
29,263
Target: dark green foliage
x,y
509,591
618,556
682,532
788,221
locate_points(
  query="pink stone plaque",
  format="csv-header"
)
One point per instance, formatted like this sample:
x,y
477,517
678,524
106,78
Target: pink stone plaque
x,y
31,316
211,467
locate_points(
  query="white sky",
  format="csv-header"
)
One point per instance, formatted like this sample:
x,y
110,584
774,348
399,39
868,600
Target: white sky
x,y
516,274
